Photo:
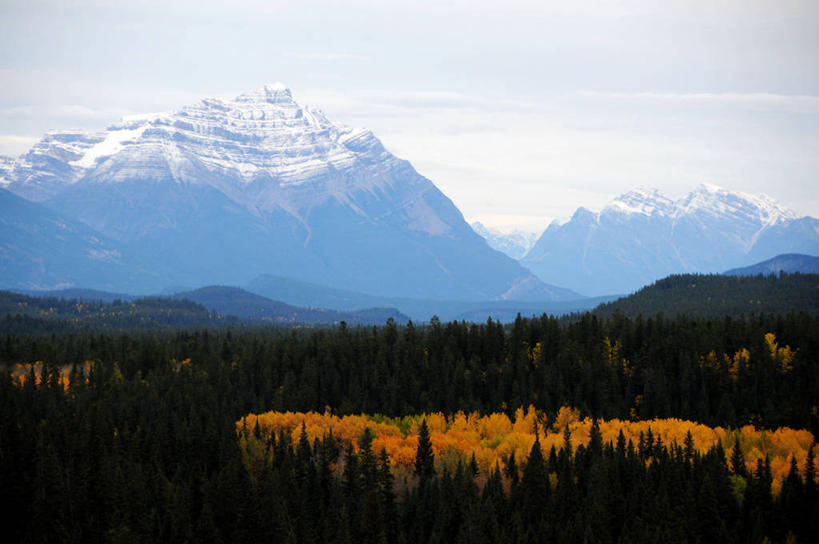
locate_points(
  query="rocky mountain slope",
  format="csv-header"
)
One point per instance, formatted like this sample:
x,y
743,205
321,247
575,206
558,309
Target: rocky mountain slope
x,y
222,191
41,248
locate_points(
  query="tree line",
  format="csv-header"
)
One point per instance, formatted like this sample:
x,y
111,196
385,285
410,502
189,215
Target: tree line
x,y
714,371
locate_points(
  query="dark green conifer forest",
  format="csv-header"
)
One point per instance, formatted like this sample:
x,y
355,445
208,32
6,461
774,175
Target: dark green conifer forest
x,y
130,435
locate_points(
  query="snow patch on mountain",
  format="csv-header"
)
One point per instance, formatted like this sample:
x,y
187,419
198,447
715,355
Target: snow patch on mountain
x,y
113,142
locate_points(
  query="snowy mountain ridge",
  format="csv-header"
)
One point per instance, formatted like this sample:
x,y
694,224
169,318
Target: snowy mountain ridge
x,y
642,201
707,198
260,135
643,235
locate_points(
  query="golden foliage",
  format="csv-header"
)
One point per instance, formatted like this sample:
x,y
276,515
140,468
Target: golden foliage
x,y
611,354
21,372
534,354
783,357
493,437
741,359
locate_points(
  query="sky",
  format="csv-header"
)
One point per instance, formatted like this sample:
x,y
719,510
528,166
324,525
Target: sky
x,y
519,111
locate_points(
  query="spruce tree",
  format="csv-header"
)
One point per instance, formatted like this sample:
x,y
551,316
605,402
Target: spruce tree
x,y
424,457
534,485
738,460
511,470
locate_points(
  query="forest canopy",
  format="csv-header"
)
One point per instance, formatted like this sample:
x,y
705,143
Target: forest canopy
x,y
148,435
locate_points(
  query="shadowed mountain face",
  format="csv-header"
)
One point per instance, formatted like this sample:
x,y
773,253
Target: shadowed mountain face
x,y
643,236
222,191
44,249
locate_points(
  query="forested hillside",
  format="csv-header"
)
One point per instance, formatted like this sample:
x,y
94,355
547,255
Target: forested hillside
x,y
26,313
233,301
146,435
207,307
696,295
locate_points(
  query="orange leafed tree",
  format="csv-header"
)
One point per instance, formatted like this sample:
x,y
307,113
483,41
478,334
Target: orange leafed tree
x,y
492,438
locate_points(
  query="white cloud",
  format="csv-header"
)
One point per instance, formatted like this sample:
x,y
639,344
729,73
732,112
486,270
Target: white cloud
x,y
328,57
78,110
13,146
805,104
501,159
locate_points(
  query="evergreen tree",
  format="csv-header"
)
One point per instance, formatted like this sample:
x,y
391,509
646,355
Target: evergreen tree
x,y
511,470
389,506
738,459
424,457
534,486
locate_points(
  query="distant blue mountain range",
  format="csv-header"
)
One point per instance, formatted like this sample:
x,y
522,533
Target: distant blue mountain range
x,y
789,263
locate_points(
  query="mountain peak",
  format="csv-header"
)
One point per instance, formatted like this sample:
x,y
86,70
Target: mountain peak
x,y
262,134
717,200
276,86
644,201
272,93
706,198
710,188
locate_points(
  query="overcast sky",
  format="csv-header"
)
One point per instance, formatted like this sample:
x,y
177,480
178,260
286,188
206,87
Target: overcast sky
x,y
519,111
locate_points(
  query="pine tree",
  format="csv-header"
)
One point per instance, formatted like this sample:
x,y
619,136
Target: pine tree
x,y
738,460
810,475
511,470
689,451
595,448
534,486
389,506
424,457
368,464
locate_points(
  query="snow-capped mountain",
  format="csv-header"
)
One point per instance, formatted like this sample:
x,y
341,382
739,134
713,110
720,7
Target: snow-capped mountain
x,y
237,146
514,243
225,190
642,236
